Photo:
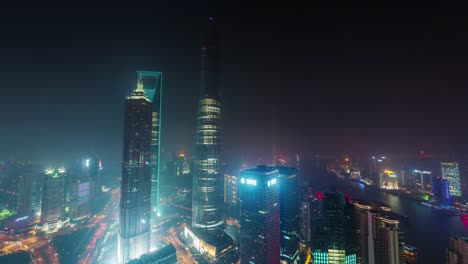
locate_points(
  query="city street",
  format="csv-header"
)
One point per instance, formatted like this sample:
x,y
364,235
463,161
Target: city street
x,y
183,255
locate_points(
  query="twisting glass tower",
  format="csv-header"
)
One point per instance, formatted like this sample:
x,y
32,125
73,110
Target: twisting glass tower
x,y
138,204
207,179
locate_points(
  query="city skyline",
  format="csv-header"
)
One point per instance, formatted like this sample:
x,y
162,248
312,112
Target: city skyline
x,y
292,134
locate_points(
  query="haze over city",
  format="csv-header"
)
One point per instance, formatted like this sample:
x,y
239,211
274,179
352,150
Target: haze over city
x,y
152,130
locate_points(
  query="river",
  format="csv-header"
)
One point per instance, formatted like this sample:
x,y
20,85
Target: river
x,y
427,229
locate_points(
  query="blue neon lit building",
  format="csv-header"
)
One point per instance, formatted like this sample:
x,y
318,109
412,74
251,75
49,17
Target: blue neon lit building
x,y
260,215
441,190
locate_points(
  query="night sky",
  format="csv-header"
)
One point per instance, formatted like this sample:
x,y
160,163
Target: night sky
x,y
294,79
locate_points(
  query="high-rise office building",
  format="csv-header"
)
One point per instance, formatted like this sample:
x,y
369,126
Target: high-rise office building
x,y
260,215
457,253
91,168
230,189
334,238
351,234
52,210
182,165
422,180
80,198
328,238
385,240
451,172
289,208
207,201
29,192
305,220
361,209
152,85
135,201
376,165
441,190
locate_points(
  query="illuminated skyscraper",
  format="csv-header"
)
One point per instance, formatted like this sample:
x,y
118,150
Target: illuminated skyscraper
x,y
80,197
91,169
135,201
305,220
441,190
334,239
52,200
29,192
361,226
385,240
208,199
328,237
451,172
230,189
260,233
152,86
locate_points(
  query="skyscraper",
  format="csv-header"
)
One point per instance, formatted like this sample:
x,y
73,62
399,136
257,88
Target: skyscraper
x,y
305,220
91,169
207,200
328,239
289,207
135,201
451,172
80,198
52,200
385,240
260,215
361,209
29,192
230,189
441,190
152,83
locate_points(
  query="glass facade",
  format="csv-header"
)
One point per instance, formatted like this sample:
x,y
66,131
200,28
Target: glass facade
x,y
152,82
29,192
52,210
260,215
80,198
289,206
208,180
451,172
441,190
135,203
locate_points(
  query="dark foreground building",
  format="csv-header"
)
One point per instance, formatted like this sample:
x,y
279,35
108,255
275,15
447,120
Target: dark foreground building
x,y
289,213
260,215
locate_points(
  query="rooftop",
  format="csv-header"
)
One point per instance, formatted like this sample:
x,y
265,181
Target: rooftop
x,y
262,169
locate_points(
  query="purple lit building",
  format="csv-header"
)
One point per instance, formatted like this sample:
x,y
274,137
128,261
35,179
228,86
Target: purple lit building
x,y
441,190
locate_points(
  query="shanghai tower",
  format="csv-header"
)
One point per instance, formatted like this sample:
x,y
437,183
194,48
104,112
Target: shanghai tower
x,y
207,178
135,201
